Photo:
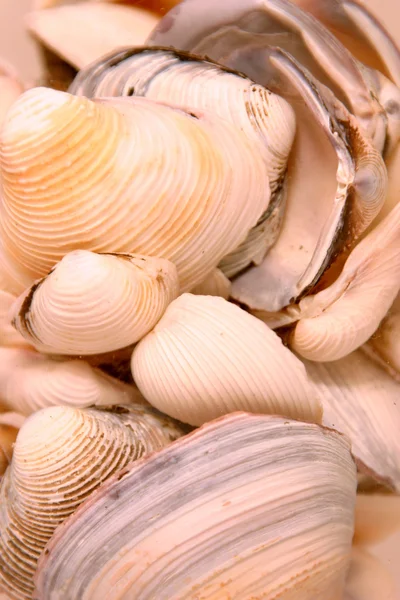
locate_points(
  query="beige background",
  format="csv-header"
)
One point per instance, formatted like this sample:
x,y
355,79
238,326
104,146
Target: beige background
x,y
16,47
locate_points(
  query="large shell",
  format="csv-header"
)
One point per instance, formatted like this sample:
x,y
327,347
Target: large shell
x,y
161,183
208,357
81,33
60,457
208,29
329,205
95,303
30,381
180,79
361,400
246,507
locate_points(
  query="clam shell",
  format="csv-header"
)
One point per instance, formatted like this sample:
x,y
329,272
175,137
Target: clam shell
x,y
94,303
179,79
211,30
83,32
215,284
50,477
360,400
248,506
30,381
192,205
328,207
208,357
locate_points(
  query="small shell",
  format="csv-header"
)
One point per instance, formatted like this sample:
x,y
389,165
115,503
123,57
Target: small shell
x,y
83,32
162,183
360,400
215,284
95,303
8,335
208,357
249,506
30,381
341,318
60,457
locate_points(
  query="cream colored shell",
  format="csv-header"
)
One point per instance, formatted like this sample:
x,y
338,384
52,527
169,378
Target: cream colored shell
x,y
207,357
30,381
60,457
249,506
161,183
95,303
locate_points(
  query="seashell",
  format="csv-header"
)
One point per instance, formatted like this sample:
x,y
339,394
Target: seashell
x,y
10,88
8,335
159,6
94,303
82,33
377,517
326,210
207,357
11,419
48,479
128,200
215,284
178,79
359,31
360,400
368,578
8,436
384,345
30,381
199,27
339,319
207,518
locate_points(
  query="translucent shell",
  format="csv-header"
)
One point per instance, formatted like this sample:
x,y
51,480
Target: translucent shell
x,y
95,303
160,183
208,357
249,506
51,476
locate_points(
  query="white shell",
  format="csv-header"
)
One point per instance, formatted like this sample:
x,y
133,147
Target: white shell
x,y
30,381
161,183
95,303
207,357
249,506
60,457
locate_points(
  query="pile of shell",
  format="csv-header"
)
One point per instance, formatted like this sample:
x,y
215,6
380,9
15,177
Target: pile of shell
x,y
204,231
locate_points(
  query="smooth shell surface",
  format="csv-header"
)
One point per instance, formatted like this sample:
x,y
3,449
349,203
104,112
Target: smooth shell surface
x,y
95,303
249,506
161,183
360,400
384,345
51,476
8,436
208,357
30,381
215,284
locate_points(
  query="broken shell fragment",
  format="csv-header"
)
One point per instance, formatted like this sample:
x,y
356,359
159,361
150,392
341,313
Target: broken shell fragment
x,y
208,357
180,79
342,317
30,381
215,284
81,33
95,303
326,210
192,205
362,401
197,27
50,477
210,512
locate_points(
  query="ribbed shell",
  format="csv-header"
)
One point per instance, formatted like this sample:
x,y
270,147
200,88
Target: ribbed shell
x,y
215,284
180,79
95,303
208,357
60,457
249,506
125,175
30,381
